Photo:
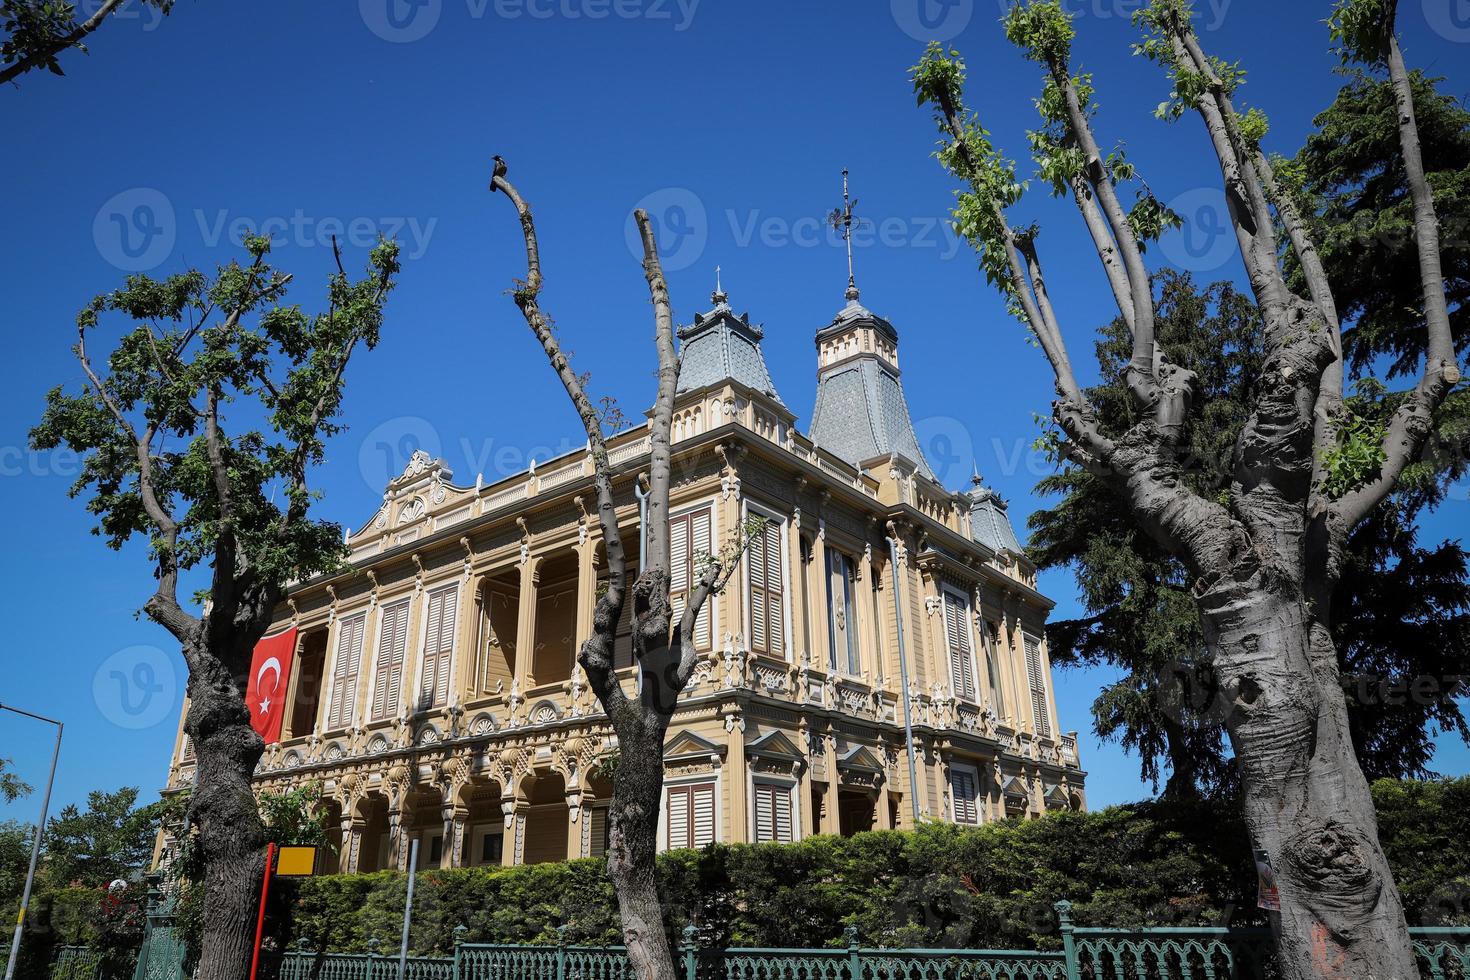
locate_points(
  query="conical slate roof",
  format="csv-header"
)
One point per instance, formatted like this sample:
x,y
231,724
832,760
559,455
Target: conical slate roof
x,y
719,345
861,412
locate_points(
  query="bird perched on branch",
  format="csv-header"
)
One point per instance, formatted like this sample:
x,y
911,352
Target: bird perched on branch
x,y
499,171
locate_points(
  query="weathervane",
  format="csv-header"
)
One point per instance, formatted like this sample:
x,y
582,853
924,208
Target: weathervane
x,y
841,220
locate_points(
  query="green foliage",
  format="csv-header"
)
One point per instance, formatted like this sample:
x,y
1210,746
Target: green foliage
x,y
190,346
111,839
295,817
1356,457
1043,31
12,787
939,81
1164,24
1176,863
39,29
1361,29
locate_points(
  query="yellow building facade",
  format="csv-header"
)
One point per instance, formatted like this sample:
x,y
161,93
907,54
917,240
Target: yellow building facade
x,y
434,692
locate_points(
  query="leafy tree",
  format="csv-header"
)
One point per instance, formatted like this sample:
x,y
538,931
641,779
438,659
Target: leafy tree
x,y
170,454
1263,557
38,31
663,638
12,787
1403,626
112,839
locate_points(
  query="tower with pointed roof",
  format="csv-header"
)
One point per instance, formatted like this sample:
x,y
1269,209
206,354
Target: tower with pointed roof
x,y
861,414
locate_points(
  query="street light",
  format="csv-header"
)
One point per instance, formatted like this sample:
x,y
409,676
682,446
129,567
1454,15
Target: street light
x,y
25,898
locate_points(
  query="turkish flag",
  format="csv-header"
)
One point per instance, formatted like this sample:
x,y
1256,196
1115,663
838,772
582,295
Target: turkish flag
x,y
270,669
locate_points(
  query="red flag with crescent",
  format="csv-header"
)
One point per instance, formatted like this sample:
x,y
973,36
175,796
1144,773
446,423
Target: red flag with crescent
x,y
270,668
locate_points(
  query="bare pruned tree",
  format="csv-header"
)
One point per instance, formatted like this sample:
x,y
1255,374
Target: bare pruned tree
x,y
1266,554
664,650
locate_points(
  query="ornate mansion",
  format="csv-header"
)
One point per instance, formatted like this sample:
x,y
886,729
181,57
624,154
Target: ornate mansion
x,y
878,658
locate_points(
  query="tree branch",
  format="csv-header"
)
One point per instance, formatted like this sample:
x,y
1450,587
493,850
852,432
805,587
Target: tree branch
x,y
50,51
596,655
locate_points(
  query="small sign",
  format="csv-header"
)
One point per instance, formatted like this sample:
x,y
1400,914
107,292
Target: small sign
x,y
296,862
1268,896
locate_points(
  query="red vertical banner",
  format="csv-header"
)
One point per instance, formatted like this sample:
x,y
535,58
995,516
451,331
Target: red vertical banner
x,y
270,670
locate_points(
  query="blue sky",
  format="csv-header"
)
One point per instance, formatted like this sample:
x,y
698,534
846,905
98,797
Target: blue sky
x,y
730,122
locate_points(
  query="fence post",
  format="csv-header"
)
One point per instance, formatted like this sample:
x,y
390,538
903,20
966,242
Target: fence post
x,y
1069,941
690,951
373,958
561,952
854,967
460,932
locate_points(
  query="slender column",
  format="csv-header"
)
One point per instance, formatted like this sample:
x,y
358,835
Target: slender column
x,y
737,828
831,818
352,830
821,601
400,829
466,639
586,590
579,819
526,625
801,631
811,821
292,684
881,808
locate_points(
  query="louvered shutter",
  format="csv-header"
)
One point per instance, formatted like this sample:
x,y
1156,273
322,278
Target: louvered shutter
x,y
388,668
678,816
691,539
772,814
598,831
962,792
1039,714
767,591
702,814
764,807
439,646
961,652
782,797
344,672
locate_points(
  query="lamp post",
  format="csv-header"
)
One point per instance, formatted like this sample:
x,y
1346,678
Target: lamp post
x,y
25,899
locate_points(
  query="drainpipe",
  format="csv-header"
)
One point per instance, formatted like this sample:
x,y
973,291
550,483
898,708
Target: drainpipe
x,y
903,674
642,496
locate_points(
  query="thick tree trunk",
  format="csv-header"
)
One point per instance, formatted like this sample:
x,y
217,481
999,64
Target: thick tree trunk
x,y
1306,802
632,850
224,811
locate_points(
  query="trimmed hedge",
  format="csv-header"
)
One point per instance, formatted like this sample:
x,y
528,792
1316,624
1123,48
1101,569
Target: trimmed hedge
x,y
940,886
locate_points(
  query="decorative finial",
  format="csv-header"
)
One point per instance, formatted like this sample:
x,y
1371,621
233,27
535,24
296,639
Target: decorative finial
x,y
718,297
976,480
841,220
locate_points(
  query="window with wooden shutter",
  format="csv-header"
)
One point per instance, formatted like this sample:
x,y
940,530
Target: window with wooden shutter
x,y
690,815
1037,678
964,790
598,832
439,646
772,813
388,666
961,649
691,543
344,672
767,591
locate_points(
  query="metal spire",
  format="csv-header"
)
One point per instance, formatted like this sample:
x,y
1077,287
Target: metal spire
x,y
841,220
718,297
